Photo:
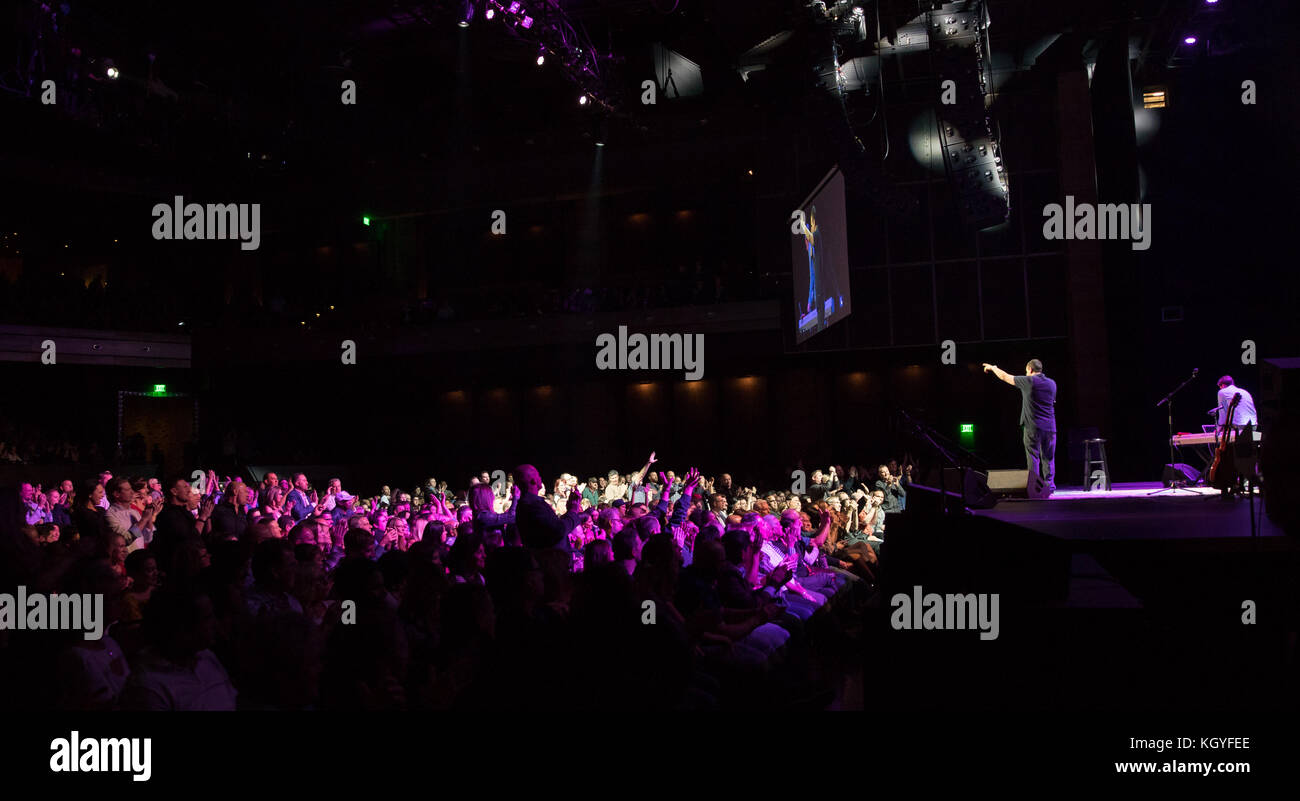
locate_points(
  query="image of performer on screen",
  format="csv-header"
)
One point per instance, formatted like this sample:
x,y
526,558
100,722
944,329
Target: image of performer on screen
x,y
1038,424
810,243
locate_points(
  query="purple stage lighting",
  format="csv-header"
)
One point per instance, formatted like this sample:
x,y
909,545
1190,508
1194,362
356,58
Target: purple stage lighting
x,y
528,21
515,8
1190,40
490,13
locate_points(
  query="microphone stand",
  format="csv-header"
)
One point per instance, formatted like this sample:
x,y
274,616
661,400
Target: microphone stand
x,y
1175,486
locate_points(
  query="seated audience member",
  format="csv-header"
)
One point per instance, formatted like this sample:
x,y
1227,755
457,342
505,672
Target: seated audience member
x,y
748,637
92,673
596,553
61,506
136,528
467,559
311,584
626,546
274,570
775,552
87,514
178,671
142,569
848,550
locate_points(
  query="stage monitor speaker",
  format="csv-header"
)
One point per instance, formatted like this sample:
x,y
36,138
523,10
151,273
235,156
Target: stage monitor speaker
x,y
1179,472
1009,483
975,491
971,486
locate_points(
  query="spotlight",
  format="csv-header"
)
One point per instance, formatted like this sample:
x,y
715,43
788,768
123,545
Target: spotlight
x,y
489,14
541,59
1191,40
514,8
112,73
528,22
463,24
582,101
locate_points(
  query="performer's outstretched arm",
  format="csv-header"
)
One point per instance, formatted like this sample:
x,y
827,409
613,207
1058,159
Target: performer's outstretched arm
x,y
1002,375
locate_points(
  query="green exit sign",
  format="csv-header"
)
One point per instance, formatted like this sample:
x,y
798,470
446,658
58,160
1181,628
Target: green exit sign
x,y
968,428
160,388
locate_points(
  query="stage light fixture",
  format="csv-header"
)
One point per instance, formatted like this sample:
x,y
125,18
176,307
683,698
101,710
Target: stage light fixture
x,y
515,8
1191,40
112,72
582,101
528,22
541,59
489,14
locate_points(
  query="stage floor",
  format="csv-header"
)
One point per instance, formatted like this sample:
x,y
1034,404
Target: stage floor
x,y
1130,511
1137,490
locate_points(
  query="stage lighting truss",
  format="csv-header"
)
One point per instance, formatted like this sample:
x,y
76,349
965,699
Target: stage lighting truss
x,y
561,43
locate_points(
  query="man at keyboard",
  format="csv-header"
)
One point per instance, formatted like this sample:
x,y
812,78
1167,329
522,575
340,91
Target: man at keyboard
x,y
1242,416
1245,412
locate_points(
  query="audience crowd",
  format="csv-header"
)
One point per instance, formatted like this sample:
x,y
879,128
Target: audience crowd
x,y
670,590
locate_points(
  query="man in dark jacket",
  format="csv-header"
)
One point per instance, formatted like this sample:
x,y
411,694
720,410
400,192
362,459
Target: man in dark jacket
x,y
230,518
175,524
539,526
895,489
